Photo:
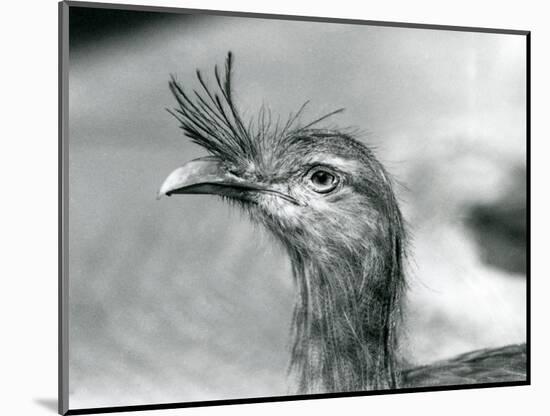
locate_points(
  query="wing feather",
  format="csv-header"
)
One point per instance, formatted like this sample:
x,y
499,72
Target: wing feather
x,y
481,366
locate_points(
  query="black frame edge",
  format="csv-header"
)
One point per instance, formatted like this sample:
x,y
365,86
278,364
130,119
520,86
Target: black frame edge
x,y
182,10
63,217
167,406
528,200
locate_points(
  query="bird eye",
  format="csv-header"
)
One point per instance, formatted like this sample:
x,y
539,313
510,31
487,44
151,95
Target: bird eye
x,y
322,181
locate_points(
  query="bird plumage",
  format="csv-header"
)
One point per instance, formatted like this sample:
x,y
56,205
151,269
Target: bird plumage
x,y
331,204
489,365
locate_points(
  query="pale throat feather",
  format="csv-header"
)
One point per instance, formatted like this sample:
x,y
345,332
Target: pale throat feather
x,y
346,317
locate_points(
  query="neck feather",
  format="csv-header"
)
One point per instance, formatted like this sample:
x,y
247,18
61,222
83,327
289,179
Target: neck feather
x,y
346,318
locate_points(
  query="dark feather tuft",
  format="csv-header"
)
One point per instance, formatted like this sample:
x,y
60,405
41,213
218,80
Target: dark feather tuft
x,y
210,118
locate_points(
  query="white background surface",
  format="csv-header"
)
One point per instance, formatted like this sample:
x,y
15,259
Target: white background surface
x,y
29,209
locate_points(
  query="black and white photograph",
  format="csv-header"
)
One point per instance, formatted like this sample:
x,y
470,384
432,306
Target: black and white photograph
x,y
260,207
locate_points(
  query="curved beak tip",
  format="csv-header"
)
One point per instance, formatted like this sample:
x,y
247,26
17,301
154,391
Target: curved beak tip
x,y
190,175
162,192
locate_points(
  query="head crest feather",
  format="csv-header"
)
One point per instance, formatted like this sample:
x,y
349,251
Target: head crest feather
x,y
210,118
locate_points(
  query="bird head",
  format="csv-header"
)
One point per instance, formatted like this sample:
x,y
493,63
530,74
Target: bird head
x,y
316,189
330,203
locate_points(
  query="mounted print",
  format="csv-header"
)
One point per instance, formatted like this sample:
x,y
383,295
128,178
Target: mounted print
x,y
260,208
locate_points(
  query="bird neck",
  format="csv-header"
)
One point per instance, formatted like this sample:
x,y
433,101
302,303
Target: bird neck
x,y
346,318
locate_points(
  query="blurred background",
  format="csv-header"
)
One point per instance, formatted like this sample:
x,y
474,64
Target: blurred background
x,y
182,299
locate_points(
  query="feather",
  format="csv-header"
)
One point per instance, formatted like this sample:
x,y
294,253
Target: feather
x,y
481,366
210,118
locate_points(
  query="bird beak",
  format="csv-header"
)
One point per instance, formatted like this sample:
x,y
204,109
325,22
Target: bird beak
x,y
207,175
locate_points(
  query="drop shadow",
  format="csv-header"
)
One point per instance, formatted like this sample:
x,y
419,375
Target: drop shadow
x,y
49,404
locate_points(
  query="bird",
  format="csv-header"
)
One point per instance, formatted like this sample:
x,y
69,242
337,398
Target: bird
x,y
330,203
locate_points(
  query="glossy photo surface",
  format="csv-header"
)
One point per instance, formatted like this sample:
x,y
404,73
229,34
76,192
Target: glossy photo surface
x,y
343,254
